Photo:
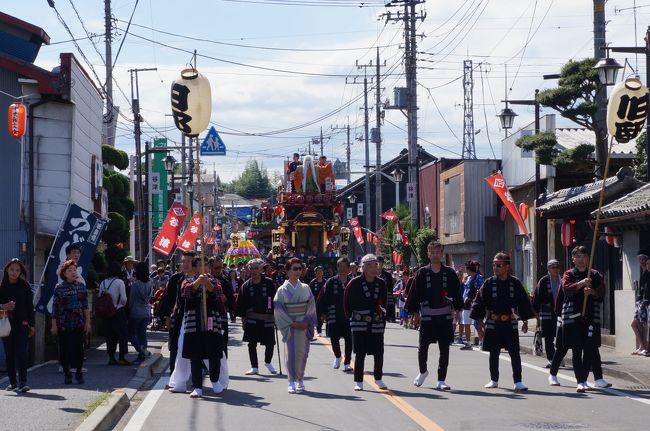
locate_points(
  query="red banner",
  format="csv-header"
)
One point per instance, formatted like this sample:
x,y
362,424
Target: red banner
x,y
405,239
208,238
187,241
166,238
498,184
390,215
356,228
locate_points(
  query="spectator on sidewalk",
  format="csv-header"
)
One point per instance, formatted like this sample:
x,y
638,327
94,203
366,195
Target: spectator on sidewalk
x,y
115,327
16,302
640,320
140,310
70,320
471,286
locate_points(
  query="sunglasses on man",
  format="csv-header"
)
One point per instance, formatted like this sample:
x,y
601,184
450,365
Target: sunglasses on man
x,y
499,265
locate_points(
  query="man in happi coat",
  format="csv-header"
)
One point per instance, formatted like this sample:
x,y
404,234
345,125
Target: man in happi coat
x,y
255,307
434,297
329,305
543,301
295,317
502,301
365,307
390,283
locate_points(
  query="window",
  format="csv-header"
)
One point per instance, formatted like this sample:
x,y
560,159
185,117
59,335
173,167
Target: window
x,y
452,205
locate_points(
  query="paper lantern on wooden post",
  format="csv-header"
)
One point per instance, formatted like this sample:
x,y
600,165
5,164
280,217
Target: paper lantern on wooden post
x,y
191,99
16,120
503,213
567,234
627,110
523,210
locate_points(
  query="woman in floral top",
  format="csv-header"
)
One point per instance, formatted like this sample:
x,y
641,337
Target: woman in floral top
x,y
70,320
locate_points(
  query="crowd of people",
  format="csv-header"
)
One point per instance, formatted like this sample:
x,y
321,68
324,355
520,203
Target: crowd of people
x,y
199,297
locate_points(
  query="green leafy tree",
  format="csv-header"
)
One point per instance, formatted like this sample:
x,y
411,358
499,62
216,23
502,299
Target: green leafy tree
x,y
575,98
640,160
543,144
422,239
254,182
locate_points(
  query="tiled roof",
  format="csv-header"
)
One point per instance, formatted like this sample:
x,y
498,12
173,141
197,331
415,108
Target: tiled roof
x,y
589,193
570,137
628,205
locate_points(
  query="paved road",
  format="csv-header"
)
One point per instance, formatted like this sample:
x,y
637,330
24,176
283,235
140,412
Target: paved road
x,y
331,404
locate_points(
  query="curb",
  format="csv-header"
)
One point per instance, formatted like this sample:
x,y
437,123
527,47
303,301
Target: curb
x,y
119,401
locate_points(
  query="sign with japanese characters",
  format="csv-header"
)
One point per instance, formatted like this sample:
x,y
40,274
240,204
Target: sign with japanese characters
x,y
166,238
627,110
345,242
498,184
276,243
187,241
411,192
78,226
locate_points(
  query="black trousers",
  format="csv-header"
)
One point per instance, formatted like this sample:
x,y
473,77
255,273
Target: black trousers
x,y
117,333
390,312
71,350
443,362
252,354
596,364
367,343
558,356
336,347
214,367
515,358
549,346
16,348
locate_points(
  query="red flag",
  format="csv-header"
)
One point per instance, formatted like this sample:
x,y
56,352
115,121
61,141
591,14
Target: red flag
x,y
402,234
498,184
165,240
356,228
390,215
209,238
187,241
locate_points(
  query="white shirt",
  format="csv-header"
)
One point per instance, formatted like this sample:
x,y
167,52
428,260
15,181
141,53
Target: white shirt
x,y
115,287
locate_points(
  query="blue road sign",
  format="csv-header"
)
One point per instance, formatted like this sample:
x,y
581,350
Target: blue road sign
x,y
212,144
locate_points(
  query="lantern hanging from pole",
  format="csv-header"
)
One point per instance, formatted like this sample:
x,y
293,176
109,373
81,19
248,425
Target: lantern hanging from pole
x,y
627,110
191,100
609,235
16,120
503,213
523,210
567,234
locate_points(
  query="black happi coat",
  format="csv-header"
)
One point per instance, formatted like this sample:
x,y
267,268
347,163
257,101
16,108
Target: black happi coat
x,y
503,298
364,304
435,296
201,341
544,306
255,305
390,283
576,330
330,303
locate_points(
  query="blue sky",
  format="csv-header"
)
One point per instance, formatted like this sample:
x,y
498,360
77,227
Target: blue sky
x,y
314,49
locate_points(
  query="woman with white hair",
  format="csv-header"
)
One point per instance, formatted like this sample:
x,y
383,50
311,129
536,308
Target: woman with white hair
x,y
365,307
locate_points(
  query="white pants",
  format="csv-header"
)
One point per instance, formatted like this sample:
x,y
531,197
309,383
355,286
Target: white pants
x,y
464,318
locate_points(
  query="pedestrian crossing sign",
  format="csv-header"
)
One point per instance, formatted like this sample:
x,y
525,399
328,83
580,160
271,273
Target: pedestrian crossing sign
x,y
212,144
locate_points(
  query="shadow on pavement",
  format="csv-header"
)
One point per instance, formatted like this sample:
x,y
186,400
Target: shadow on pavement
x,y
36,395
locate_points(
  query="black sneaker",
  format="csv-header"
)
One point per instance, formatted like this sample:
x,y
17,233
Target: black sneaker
x,y
23,388
11,387
79,377
67,379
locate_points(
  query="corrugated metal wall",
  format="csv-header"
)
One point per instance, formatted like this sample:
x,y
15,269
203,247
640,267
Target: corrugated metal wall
x,y
479,197
12,231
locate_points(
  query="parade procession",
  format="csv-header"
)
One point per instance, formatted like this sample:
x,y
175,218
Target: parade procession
x,y
214,217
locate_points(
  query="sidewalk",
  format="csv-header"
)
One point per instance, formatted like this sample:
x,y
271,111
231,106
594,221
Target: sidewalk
x,y
633,369
53,405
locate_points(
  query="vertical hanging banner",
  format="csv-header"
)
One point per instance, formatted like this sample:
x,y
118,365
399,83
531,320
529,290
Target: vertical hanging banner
x,y
276,243
345,241
159,195
356,228
78,226
498,184
187,241
166,239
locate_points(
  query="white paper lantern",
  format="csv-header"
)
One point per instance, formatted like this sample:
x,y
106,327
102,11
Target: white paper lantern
x,y
191,102
627,110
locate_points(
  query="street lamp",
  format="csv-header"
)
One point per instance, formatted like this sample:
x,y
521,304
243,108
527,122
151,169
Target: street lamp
x,y
507,117
170,163
352,199
607,70
398,174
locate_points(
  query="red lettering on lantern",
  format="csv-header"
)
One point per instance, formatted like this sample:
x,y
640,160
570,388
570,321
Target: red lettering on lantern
x,y
16,120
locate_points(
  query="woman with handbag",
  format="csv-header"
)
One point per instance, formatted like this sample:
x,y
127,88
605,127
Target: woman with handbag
x,y
17,313
70,321
115,326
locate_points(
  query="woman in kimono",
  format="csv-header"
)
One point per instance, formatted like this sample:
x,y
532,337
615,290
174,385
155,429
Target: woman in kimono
x,y
295,317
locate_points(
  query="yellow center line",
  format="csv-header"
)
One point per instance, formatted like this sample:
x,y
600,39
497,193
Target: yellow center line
x,y
414,414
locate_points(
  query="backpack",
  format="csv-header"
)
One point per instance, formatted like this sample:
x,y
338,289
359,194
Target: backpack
x,y
104,307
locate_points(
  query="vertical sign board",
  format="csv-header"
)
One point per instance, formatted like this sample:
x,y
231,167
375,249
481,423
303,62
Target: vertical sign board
x,y
411,190
159,197
345,242
348,213
360,209
276,243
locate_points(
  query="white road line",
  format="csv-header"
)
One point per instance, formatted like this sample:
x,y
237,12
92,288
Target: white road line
x,y
572,379
140,416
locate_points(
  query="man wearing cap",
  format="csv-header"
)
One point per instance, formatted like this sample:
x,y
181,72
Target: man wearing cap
x,y
434,297
364,304
543,301
502,301
390,283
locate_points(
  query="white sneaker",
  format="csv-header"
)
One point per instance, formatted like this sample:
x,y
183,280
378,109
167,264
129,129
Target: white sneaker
x,y
177,390
553,381
292,388
252,372
358,386
300,387
520,387
381,384
492,385
581,388
217,387
196,393
602,383
336,364
320,334
347,367
271,369
420,378
442,386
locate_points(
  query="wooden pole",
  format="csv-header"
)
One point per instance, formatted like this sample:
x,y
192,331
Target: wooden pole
x,y
202,254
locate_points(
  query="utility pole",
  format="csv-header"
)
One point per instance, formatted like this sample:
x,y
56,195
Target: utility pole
x,y
347,149
377,140
109,117
137,119
410,19
469,147
601,96
321,140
